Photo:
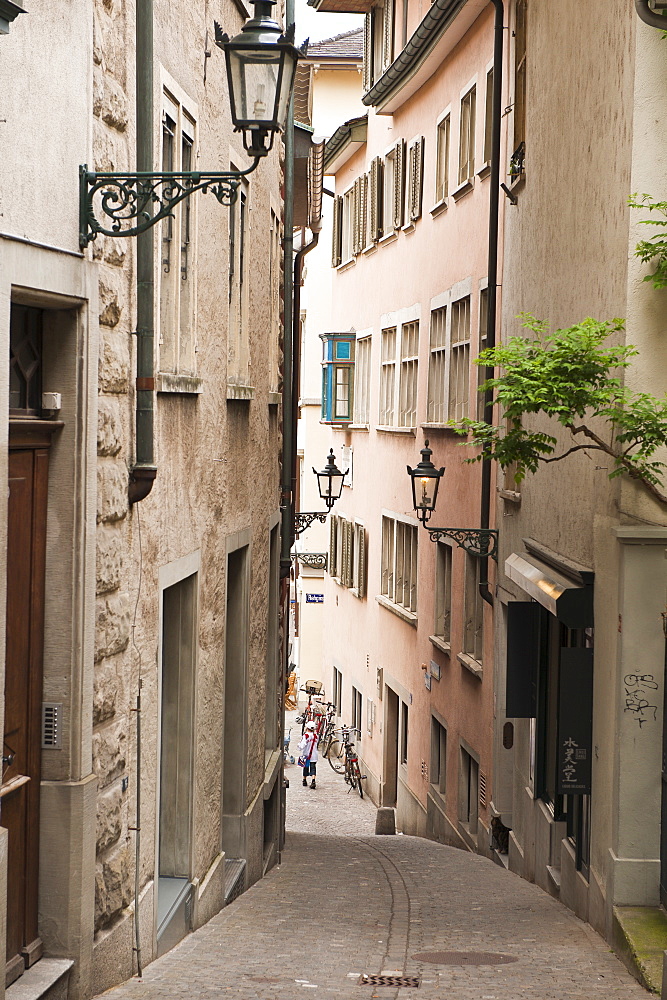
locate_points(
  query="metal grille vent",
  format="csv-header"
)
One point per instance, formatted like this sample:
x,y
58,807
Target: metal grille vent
x,y
424,770
482,788
51,725
389,980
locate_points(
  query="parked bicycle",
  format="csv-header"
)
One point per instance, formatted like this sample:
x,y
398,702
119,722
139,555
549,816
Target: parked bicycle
x,y
344,759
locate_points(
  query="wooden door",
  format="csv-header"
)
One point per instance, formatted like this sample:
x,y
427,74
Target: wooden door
x,y
19,791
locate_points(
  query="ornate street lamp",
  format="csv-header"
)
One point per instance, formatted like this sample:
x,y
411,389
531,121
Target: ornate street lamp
x,y
425,481
425,478
261,63
330,480
330,486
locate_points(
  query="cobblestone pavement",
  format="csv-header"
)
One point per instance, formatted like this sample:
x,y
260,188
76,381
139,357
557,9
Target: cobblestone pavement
x,y
332,808
339,906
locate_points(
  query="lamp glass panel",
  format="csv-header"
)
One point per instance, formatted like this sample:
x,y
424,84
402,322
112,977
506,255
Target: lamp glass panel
x,y
254,78
286,87
426,488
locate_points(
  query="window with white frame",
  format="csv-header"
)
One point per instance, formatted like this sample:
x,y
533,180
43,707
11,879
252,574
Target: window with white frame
x,y
473,628
337,692
481,369
399,563
347,231
393,187
443,592
459,363
469,791
442,159
437,367
238,344
467,137
488,119
407,410
370,715
404,733
177,271
387,376
378,41
519,106
362,380
438,775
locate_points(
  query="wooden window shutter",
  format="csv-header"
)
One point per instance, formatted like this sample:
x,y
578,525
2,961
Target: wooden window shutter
x,y
399,183
376,199
343,575
363,209
356,241
336,232
361,561
387,34
416,179
332,545
368,52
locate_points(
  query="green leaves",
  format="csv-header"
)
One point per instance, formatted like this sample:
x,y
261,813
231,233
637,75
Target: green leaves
x,y
653,250
570,375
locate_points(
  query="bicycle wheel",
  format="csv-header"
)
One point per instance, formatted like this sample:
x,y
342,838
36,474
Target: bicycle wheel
x,y
335,755
356,778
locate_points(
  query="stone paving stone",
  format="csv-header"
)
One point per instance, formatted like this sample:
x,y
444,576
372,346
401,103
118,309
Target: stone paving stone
x,y
344,902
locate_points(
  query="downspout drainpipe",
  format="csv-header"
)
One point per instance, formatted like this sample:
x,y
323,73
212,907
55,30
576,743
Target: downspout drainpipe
x,y
286,498
649,16
296,355
494,206
143,473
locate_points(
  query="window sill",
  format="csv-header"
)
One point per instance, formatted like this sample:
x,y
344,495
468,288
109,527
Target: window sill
x,y
389,238
384,429
358,427
408,616
437,796
439,427
409,227
275,398
510,495
439,208
463,189
346,265
444,647
369,249
484,170
188,385
471,664
240,392
517,181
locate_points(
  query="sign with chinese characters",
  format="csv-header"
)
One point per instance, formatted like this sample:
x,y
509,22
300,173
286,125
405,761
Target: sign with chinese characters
x,y
575,722
314,598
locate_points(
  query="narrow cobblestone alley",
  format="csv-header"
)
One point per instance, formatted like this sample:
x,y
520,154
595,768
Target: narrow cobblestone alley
x,y
345,902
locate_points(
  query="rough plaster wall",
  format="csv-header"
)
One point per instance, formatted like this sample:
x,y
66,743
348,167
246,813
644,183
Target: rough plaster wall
x,y
207,452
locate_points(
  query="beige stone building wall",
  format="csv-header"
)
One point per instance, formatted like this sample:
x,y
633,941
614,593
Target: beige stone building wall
x,y
214,508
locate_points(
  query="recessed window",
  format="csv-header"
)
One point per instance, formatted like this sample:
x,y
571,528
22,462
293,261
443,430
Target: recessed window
x,y
404,733
481,369
399,563
459,366
25,359
469,792
407,413
438,756
337,692
519,109
437,368
387,376
238,366
467,137
473,629
442,159
488,120
443,592
362,381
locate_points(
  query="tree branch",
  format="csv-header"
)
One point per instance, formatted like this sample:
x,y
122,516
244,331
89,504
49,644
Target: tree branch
x,y
576,447
631,469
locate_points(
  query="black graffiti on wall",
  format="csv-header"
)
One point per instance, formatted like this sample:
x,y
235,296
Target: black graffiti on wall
x,y
638,688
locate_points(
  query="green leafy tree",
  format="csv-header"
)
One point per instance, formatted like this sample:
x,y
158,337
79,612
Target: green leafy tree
x,y
654,250
572,376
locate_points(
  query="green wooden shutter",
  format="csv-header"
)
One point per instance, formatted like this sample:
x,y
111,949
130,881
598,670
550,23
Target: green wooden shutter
x,y
361,560
336,231
399,183
387,33
416,179
368,52
332,545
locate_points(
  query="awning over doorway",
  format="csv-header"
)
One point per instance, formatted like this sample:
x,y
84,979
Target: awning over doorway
x,y
570,602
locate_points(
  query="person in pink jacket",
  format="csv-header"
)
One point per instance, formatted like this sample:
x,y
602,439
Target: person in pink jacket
x,y
308,752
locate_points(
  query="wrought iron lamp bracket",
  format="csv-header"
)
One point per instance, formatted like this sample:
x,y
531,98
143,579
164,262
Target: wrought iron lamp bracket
x,y
482,542
135,202
314,560
304,519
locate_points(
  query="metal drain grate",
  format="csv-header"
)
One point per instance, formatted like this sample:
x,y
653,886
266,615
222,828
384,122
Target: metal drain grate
x,y
464,958
389,980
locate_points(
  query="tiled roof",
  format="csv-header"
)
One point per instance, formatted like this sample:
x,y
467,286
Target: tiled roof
x,y
349,45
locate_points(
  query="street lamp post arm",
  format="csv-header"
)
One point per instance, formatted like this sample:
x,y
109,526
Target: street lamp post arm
x,y
304,519
133,202
482,542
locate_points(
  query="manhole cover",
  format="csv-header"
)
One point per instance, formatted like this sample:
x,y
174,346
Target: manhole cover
x,y
464,958
388,980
